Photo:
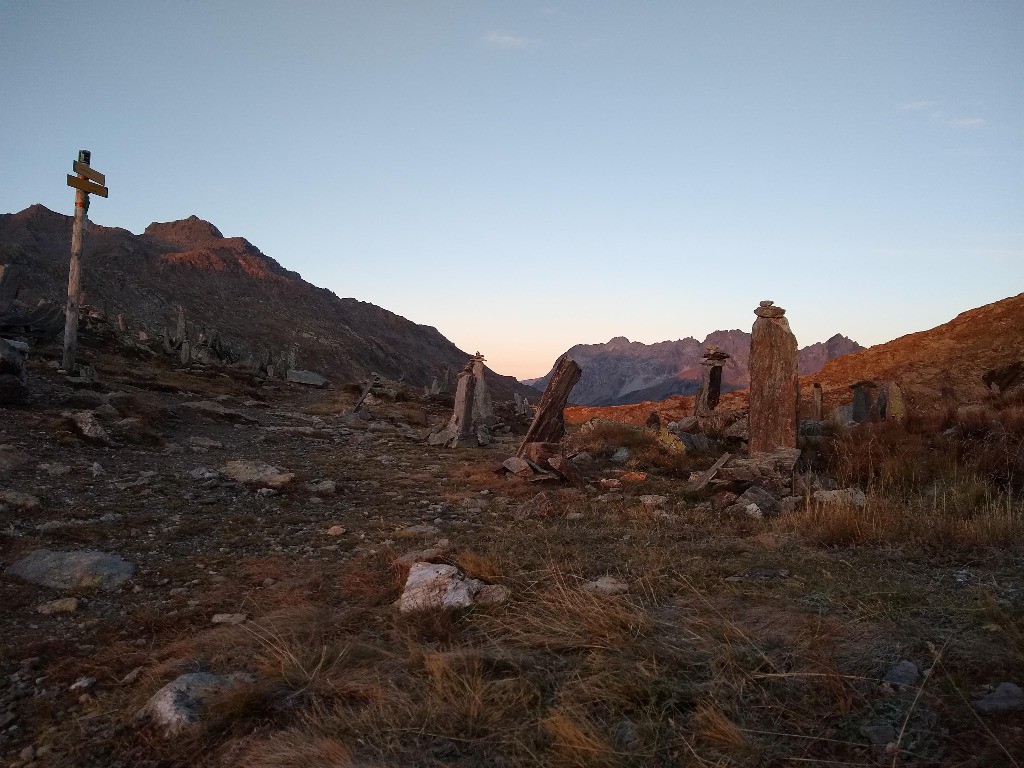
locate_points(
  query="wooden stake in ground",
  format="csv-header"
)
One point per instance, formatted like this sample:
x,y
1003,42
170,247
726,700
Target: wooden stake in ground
x,y
549,424
87,181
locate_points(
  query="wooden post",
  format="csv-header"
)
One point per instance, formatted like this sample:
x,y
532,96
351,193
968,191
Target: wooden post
x,y
549,424
74,274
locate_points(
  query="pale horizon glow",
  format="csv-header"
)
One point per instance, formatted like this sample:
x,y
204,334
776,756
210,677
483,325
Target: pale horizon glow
x,y
525,177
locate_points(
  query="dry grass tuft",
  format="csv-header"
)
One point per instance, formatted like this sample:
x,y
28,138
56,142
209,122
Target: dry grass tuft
x,y
576,741
717,730
479,567
296,748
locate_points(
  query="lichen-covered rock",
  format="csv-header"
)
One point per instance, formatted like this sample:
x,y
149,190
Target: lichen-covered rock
x,y
70,570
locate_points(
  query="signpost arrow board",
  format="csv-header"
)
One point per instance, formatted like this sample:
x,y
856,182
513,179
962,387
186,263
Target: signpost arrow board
x,y
90,173
87,186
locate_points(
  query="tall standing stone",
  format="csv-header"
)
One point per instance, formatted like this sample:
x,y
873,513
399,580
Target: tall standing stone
x,y
459,430
863,400
483,405
711,386
774,392
816,407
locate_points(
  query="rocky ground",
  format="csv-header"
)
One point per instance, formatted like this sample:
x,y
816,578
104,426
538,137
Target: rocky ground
x,y
264,537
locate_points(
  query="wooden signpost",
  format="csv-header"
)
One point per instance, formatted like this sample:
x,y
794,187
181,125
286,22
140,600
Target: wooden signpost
x,y
88,181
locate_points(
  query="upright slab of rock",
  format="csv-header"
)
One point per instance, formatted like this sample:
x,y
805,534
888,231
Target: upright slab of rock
x,y
711,387
549,422
863,400
459,430
774,389
483,405
816,406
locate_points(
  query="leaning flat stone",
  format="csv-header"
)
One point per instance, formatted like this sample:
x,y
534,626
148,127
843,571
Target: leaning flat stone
x,y
178,705
436,585
309,378
88,426
19,500
1007,697
257,473
68,570
517,466
214,410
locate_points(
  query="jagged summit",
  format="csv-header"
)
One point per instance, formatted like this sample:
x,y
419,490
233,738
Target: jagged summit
x,y
190,233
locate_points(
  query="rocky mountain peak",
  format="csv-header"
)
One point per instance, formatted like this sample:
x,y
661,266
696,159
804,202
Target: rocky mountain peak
x,y
189,233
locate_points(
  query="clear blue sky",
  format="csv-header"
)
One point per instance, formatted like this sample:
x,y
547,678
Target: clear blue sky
x,y
526,176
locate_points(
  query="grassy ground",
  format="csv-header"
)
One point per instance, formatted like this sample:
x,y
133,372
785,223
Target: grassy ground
x,y
738,642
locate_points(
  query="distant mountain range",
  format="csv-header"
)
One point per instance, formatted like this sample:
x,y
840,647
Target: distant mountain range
x,y
621,372
225,285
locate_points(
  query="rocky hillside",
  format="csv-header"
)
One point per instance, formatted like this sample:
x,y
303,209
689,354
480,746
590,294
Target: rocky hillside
x,y
939,368
225,285
622,372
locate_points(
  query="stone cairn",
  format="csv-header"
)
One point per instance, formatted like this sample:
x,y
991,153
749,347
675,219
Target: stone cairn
x,y
711,386
473,415
458,432
774,389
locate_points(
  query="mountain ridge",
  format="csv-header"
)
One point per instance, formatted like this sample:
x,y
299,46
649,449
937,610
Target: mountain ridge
x,y
227,285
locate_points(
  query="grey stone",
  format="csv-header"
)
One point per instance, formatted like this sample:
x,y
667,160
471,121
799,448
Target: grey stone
x,y
905,673
68,570
621,456
178,705
309,378
1007,697
755,502
23,501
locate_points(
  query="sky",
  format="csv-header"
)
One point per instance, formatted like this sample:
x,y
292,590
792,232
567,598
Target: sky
x,y
525,176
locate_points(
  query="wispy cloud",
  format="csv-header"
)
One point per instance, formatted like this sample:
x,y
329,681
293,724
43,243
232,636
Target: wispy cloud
x,y
940,113
918,106
506,42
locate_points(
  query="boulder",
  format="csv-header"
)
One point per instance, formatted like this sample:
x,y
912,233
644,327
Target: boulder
x,y
853,497
517,466
70,570
756,502
179,704
1007,697
437,585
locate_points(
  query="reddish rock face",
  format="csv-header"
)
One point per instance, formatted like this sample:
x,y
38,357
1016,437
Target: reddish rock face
x,y
773,382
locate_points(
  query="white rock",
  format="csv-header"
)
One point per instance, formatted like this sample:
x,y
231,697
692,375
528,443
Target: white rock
x,y
437,585
653,501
